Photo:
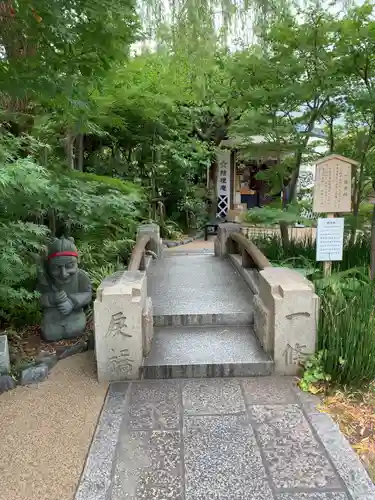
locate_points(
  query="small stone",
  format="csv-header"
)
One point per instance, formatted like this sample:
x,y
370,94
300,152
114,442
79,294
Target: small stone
x,y
34,374
66,352
47,358
4,355
6,383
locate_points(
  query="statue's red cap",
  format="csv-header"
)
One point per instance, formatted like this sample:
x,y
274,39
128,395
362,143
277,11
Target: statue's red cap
x,y
62,254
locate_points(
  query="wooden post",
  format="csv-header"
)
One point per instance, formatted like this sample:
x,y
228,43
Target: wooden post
x,y
327,265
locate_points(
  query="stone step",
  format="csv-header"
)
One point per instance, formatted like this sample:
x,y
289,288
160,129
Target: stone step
x,y
240,318
181,252
206,351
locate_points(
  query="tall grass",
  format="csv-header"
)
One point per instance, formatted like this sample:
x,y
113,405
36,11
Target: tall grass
x,y
346,336
346,331
303,249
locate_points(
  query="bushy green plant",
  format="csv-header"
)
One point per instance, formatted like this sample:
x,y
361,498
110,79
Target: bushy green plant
x,y
96,253
99,214
346,335
314,373
23,187
274,214
170,230
194,207
97,274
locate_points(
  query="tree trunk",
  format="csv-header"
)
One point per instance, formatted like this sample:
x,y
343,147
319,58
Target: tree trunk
x,y
284,235
79,152
372,273
357,194
354,228
69,149
294,178
52,221
283,225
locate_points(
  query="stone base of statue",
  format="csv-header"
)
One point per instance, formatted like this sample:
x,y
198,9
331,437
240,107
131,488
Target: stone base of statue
x,y
65,290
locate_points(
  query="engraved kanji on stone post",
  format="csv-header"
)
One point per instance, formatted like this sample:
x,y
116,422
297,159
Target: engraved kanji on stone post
x,y
118,313
118,326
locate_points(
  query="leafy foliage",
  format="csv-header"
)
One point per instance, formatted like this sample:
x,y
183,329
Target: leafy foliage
x,y
90,210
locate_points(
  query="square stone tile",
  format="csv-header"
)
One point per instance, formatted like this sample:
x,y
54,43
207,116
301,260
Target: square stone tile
x,y
212,396
269,390
222,459
154,404
293,456
312,496
148,466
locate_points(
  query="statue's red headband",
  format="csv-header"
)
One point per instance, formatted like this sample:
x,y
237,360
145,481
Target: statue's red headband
x,y
62,254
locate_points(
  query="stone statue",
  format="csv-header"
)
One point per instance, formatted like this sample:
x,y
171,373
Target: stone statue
x,y
65,290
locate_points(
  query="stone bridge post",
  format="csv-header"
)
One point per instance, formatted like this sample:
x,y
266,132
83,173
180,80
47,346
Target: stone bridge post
x,y
123,317
223,246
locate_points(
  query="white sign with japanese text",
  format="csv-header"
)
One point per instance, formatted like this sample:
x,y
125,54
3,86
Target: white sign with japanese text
x,y
330,239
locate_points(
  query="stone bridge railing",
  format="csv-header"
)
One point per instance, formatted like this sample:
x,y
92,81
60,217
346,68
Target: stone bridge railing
x,y
123,314
285,304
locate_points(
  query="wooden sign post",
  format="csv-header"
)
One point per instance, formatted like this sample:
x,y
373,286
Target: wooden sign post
x,y
332,195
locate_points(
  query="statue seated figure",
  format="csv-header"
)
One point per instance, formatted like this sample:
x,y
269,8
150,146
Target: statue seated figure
x,y
65,290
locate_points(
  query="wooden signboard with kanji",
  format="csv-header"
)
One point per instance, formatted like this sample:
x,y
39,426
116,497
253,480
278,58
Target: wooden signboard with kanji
x,y
333,184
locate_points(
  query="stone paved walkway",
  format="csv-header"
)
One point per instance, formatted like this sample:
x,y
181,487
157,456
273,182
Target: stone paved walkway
x,y
219,439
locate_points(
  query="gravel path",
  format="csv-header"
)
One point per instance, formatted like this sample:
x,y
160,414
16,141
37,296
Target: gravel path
x,y
46,431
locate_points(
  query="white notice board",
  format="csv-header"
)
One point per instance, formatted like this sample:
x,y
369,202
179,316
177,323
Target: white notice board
x,y
330,239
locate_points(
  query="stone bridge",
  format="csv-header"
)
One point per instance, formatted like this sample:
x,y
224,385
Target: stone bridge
x,y
223,314
229,330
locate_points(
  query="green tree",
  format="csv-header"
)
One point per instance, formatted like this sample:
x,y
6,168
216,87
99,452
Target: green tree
x,y
356,46
286,85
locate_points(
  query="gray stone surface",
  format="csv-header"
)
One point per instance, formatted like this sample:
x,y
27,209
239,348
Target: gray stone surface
x,y
346,462
65,352
212,397
4,355
148,466
187,352
180,251
155,405
34,374
46,358
275,390
294,457
244,318
222,459
197,284
96,479
7,383
219,439
312,496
